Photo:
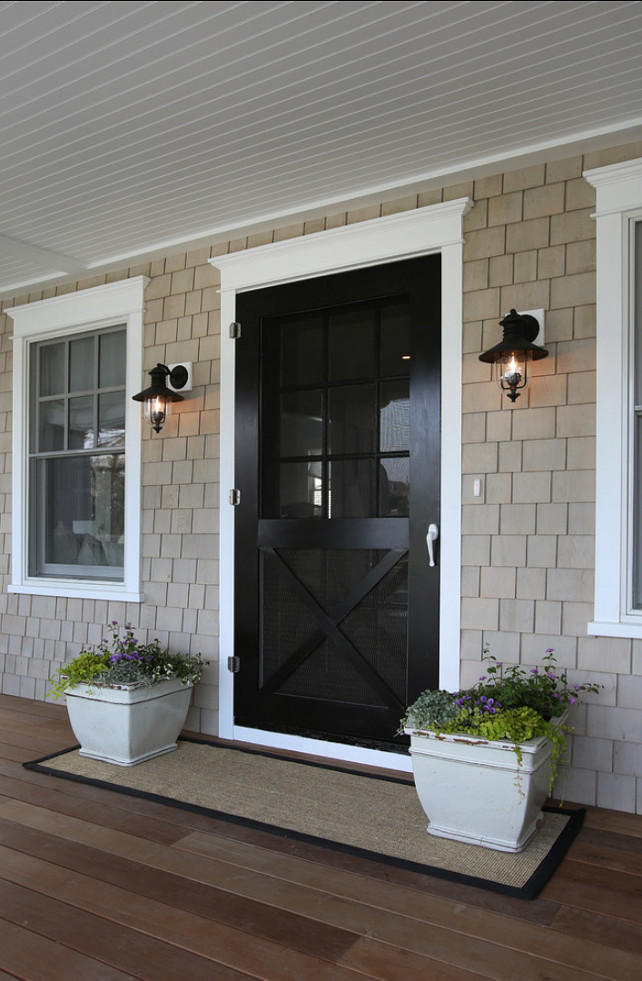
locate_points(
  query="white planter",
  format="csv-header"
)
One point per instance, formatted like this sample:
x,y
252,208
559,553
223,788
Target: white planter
x,y
473,790
129,724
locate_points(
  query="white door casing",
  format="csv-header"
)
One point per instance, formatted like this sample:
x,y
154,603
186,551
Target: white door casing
x,y
437,228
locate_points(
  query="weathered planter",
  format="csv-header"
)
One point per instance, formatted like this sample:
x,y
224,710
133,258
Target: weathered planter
x,y
474,790
129,724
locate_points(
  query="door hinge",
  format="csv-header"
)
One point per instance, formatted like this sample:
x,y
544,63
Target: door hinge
x,y
234,497
235,331
234,664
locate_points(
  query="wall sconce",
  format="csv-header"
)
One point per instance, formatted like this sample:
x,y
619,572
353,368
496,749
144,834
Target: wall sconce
x,y
514,352
158,397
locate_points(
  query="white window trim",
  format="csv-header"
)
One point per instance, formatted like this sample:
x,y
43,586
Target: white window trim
x,y
61,316
437,228
619,200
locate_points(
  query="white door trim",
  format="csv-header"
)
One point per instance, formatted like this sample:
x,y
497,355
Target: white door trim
x,y
437,228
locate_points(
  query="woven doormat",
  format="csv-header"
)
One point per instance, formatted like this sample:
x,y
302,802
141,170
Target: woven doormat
x,y
377,817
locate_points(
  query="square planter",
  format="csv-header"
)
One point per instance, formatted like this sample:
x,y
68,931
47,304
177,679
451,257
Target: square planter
x,y
128,724
474,790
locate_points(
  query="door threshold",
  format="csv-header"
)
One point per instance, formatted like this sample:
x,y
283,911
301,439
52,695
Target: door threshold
x,y
344,752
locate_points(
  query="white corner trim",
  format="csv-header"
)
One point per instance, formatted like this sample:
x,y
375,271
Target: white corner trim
x,y
91,309
619,199
437,228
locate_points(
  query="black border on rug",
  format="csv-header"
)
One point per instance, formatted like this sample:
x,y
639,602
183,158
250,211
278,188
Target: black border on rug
x,y
529,890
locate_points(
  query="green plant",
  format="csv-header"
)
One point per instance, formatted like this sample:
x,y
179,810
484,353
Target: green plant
x,y
544,688
433,709
515,705
125,661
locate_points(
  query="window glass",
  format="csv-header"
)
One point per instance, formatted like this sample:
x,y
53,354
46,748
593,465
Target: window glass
x,y
351,419
394,417
81,422
112,362
77,468
52,369
353,344
52,425
81,364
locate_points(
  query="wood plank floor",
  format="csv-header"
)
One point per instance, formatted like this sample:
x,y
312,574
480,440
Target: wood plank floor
x,y
95,885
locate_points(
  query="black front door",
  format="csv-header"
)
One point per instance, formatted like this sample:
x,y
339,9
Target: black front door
x,y
337,462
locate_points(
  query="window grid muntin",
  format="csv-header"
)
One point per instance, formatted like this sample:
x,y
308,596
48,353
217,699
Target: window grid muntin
x,y
37,458
325,385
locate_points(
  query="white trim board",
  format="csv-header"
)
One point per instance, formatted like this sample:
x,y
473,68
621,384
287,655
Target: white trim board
x,y
60,316
437,228
618,205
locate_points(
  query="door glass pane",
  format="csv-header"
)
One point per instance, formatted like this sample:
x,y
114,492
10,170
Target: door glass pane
x,y
52,425
111,419
52,369
351,419
394,417
301,490
352,345
81,423
395,339
302,360
302,423
352,489
81,364
394,487
112,363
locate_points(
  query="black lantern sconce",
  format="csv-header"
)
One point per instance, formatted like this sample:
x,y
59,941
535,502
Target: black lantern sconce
x,y
512,355
158,397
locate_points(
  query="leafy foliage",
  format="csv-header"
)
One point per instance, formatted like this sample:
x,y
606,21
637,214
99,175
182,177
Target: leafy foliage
x,y
125,661
543,689
432,710
514,704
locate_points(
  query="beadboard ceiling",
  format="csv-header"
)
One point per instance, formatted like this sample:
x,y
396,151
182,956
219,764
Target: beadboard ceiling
x,y
129,128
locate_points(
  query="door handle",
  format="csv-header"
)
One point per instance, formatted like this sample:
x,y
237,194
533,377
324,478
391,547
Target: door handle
x,y
431,537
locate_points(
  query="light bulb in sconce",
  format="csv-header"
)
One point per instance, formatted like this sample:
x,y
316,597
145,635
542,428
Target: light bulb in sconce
x,y
157,412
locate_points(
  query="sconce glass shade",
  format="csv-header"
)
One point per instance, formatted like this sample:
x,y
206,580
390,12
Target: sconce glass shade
x,y
158,397
512,355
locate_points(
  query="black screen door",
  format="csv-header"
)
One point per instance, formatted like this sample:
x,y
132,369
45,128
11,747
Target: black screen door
x,y
337,461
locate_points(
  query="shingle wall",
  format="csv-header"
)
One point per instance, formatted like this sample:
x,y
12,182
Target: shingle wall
x,y
527,545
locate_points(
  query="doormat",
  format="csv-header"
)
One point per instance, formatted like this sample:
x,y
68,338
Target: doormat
x,y
373,816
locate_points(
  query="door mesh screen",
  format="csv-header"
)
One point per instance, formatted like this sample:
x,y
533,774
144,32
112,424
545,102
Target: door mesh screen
x,y
327,636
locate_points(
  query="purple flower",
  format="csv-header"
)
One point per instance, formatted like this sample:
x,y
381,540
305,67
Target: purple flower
x,y
573,701
577,687
534,671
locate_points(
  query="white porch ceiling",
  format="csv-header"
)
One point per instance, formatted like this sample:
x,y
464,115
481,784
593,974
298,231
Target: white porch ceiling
x,y
129,128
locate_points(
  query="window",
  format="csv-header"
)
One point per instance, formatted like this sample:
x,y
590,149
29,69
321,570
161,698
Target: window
x,y
76,481
618,522
77,456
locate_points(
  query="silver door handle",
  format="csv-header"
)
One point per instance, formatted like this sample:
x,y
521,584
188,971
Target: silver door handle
x,y
433,534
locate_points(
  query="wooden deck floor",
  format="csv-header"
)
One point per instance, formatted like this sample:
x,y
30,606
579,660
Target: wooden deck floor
x,y
94,885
